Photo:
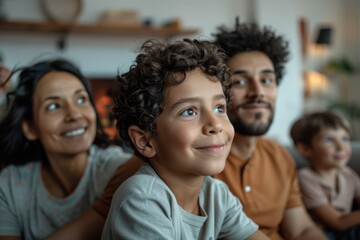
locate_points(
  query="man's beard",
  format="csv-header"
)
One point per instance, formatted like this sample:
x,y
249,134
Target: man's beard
x,y
255,128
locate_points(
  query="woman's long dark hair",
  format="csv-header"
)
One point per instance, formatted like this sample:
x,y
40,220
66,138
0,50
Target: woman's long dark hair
x,y
15,148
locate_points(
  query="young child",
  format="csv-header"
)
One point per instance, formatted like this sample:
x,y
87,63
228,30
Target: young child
x,y
329,187
171,108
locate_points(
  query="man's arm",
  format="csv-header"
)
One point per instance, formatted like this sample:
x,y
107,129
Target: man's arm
x,y
298,225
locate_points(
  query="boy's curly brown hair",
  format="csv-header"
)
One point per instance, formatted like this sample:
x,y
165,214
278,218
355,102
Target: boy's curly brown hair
x,y
247,37
140,95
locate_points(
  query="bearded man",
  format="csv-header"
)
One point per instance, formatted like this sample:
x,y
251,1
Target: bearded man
x,y
259,171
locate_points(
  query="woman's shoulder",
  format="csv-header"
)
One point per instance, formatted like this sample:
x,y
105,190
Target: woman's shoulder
x,y
109,153
15,179
24,171
111,156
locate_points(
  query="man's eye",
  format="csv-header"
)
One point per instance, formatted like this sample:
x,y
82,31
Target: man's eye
x,y
52,106
239,82
267,81
188,112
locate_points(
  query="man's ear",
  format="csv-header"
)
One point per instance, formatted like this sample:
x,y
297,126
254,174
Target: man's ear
x,y
29,130
142,141
303,149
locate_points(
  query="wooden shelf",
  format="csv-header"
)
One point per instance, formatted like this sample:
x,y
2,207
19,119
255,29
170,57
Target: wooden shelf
x,y
93,28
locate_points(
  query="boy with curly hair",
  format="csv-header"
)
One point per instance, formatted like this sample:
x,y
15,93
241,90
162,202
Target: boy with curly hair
x,y
329,187
259,171
171,107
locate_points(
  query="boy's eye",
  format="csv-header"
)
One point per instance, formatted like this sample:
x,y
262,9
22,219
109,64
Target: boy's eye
x,y
188,112
220,109
52,106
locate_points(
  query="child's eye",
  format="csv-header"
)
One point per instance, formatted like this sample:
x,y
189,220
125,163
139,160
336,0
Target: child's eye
x,y
220,109
188,112
52,106
328,140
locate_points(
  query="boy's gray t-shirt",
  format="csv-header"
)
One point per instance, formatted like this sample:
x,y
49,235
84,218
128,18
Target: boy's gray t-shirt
x,y
144,207
28,210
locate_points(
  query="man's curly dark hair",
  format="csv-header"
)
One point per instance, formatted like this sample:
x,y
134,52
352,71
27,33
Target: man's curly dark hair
x,y
140,95
250,37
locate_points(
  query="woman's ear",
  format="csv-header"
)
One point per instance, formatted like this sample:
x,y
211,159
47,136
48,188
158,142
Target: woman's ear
x,y
29,130
142,141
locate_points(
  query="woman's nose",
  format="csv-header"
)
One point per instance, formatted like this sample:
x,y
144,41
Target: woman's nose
x,y
72,113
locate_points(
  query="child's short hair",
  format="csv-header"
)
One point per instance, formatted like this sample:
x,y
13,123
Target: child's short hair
x,y
141,91
305,128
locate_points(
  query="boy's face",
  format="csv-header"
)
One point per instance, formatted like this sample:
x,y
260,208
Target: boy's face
x,y
194,132
330,149
254,93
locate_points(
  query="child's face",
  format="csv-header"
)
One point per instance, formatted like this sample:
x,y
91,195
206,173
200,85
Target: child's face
x,y
194,132
330,148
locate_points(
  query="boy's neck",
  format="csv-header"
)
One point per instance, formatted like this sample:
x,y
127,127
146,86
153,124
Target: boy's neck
x,y
327,175
186,188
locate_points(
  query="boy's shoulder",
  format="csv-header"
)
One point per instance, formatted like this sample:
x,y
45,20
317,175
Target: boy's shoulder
x,y
349,173
144,182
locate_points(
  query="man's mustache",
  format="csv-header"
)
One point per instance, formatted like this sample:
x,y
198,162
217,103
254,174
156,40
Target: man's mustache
x,y
254,101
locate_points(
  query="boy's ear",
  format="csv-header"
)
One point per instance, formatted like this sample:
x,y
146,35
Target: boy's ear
x,y
303,149
29,130
142,141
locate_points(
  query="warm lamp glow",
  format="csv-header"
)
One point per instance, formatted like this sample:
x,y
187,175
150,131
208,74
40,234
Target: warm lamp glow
x,y
315,82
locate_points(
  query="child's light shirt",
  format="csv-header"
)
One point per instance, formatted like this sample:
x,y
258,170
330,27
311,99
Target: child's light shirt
x,y
29,211
144,207
316,192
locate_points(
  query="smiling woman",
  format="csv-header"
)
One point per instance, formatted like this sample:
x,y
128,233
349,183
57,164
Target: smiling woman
x,y
55,157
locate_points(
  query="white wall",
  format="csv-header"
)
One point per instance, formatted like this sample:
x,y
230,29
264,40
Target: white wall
x,y
281,15
102,55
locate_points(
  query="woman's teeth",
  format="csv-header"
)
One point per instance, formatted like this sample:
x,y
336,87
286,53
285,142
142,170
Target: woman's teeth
x,y
74,132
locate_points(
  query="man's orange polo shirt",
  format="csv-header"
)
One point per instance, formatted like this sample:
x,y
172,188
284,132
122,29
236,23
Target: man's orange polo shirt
x,y
266,184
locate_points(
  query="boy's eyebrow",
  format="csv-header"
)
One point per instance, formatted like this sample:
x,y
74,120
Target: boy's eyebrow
x,y
244,72
195,99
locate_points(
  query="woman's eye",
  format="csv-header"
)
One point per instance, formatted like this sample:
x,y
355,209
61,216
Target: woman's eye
x,y
81,100
188,112
52,106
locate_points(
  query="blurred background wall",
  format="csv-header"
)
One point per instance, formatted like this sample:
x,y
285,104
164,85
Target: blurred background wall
x,y
102,55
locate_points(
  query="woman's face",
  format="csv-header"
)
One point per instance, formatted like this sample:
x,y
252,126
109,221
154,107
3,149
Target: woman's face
x,y
64,119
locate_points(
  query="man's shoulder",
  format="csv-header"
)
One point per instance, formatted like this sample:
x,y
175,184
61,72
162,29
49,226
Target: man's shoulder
x,y
271,146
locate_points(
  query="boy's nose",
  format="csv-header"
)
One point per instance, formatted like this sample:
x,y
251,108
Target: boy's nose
x,y
213,126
